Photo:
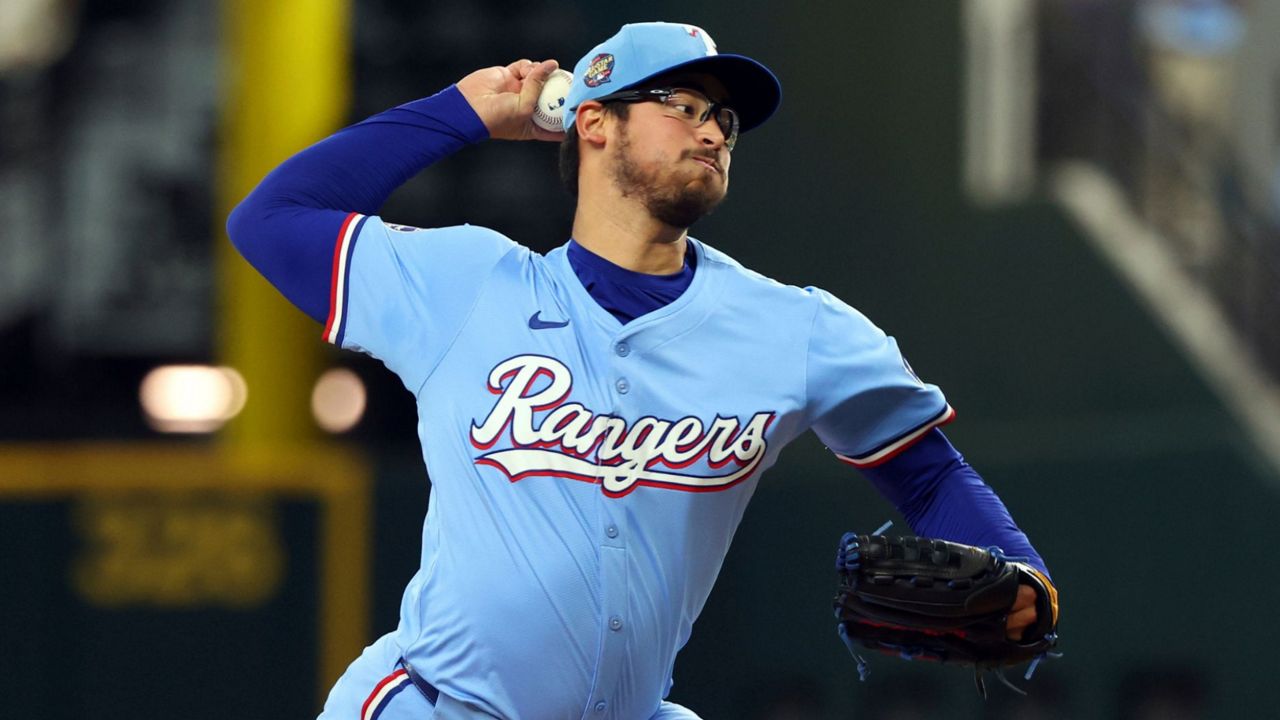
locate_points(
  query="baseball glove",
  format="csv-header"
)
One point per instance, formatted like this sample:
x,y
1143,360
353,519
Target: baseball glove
x,y
924,599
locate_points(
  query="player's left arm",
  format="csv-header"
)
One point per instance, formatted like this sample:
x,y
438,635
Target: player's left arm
x,y
942,496
871,409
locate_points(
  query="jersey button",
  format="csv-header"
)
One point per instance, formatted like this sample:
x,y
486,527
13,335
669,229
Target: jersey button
x,y
611,531
622,385
622,349
615,623
600,706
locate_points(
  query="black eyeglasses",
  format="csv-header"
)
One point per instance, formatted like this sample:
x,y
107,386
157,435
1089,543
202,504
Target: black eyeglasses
x,y
689,105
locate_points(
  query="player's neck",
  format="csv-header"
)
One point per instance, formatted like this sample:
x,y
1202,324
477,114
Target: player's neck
x,y
625,234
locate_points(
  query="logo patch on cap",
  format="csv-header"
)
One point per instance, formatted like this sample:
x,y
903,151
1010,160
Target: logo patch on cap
x,y
599,70
707,42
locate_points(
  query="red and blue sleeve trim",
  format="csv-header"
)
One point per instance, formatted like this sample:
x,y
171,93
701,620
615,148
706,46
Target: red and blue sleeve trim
x,y
339,287
889,450
381,696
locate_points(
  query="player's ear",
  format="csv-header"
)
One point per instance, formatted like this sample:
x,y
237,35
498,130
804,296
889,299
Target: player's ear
x,y
590,122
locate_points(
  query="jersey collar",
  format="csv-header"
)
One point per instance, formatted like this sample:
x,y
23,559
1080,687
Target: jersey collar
x,y
653,328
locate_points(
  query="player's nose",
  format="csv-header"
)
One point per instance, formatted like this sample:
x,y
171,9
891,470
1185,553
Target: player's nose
x,y
710,135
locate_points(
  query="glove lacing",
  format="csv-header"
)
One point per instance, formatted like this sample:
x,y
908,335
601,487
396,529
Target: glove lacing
x,y
847,561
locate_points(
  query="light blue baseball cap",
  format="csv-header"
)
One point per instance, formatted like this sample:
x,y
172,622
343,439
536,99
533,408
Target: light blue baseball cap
x,y
641,51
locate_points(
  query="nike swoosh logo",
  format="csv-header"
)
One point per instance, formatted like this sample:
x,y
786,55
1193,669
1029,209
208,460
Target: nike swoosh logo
x,y
537,323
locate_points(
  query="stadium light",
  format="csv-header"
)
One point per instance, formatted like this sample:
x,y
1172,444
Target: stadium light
x,y
191,398
338,400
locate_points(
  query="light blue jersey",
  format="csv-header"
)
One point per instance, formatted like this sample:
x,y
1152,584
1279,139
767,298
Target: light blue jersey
x,y
588,476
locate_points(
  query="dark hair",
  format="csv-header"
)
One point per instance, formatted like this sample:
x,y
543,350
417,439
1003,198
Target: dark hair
x,y
569,155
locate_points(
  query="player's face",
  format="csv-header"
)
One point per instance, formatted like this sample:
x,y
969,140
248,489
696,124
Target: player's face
x,y
679,171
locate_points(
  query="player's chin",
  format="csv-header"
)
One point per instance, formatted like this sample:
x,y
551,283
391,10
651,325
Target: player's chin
x,y
715,193
712,186
682,210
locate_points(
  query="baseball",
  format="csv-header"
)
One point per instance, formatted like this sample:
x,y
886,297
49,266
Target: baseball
x,y
549,113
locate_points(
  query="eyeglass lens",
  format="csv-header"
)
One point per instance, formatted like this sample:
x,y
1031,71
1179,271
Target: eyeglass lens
x,y
697,109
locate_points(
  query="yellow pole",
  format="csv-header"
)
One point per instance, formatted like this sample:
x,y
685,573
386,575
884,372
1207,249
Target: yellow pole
x,y
286,85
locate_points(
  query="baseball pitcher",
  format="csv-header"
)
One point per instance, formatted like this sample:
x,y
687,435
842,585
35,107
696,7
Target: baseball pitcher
x,y
594,420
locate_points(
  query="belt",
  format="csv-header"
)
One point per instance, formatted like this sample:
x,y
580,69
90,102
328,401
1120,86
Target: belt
x,y
427,689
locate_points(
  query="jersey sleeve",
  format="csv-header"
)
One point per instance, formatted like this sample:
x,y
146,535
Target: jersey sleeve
x,y
865,401
285,228
401,294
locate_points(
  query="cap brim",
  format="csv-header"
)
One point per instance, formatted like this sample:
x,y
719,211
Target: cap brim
x,y
754,91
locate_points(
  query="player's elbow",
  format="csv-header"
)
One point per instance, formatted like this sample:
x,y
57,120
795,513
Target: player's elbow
x,y
250,228
240,225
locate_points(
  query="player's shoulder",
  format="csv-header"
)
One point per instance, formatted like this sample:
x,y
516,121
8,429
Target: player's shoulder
x,y
474,243
765,289
465,231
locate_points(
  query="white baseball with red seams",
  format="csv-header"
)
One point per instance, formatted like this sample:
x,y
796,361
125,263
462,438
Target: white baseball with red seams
x,y
549,112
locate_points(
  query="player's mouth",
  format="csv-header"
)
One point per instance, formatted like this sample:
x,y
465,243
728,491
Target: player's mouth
x,y
709,163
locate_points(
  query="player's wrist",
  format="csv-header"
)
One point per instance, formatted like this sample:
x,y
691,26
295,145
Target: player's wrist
x,y
1046,599
446,116
452,107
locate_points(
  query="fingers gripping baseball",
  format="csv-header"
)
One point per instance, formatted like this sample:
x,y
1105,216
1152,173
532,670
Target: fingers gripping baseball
x,y
504,98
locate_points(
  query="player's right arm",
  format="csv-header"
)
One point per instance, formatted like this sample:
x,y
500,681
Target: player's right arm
x,y
308,229
286,228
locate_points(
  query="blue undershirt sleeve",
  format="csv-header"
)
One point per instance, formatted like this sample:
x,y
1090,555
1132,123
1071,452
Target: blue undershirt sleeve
x,y
941,496
287,227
